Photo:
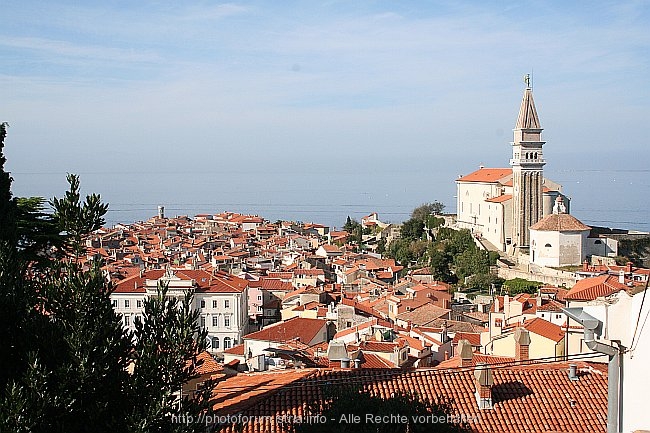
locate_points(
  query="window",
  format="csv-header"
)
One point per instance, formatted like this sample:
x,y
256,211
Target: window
x,y
226,303
114,302
259,297
138,303
126,303
259,308
202,303
214,304
226,343
202,321
215,342
548,245
127,321
136,318
598,242
215,320
226,321
558,316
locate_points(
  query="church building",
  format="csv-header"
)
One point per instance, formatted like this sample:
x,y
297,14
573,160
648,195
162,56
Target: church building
x,y
500,205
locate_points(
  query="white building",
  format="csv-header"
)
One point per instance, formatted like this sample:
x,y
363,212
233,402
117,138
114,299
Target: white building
x,y
623,316
485,202
221,300
558,239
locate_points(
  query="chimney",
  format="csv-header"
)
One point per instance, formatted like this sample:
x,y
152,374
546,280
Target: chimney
x,y
522,342
357,363
585,266
621,276
506,307
496,304
466,353
573,372
629,267
484,382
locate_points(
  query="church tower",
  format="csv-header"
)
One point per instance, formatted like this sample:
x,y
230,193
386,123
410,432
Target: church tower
x,y
527,170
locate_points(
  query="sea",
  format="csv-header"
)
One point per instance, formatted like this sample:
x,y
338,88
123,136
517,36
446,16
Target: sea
x,y
324,193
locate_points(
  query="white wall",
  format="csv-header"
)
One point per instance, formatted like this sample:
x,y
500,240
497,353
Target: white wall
x,y
620,321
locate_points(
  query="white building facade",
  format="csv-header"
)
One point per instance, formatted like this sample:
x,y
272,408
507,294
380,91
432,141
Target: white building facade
x,y
221,299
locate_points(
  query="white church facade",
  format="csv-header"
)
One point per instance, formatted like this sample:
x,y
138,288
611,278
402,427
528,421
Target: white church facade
x,y
499,205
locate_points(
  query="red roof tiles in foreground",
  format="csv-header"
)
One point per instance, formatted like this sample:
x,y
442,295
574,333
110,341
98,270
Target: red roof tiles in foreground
x,y
241,391
534,398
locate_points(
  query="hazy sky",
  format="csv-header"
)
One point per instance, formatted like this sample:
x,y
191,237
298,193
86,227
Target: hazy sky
x,y
115,87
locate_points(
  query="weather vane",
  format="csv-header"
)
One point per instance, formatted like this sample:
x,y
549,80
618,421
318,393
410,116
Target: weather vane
x,y
527,80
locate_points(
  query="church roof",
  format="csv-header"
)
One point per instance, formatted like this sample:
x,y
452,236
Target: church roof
x,y
560,222
489,175
527,113
499,199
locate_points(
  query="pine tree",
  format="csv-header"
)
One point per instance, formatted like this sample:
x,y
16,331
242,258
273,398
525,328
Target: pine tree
x,y
63,364
167,341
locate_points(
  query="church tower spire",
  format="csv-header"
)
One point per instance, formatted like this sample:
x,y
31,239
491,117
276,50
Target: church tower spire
x,y
527,170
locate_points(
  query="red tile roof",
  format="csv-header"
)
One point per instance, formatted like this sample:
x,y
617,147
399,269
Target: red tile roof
x,y
499,199
589,289
206,364
544,328
489,175
559,222
473,338
241,391
295,328
533,398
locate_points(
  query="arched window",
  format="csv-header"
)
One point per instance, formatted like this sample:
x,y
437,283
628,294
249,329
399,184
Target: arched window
x,y
598,242
226,343
548,245
215,342
535,155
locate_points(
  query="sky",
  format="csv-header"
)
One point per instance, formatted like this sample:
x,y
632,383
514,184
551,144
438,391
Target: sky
x,y
198,95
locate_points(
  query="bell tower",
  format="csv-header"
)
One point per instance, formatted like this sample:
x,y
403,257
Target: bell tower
x,y
527,170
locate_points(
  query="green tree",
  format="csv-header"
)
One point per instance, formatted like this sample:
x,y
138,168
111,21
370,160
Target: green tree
x,y
484,281
472,261
65,352
167,341
7,204
439,264
520,285
412,229
422,212
340,403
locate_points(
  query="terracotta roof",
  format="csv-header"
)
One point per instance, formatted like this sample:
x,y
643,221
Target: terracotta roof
x,y
534,398
544,328
234,394
235,350
489,175
499,199
204,281
370,360
589,289
559,222
423,315
455,361
207,364
473,338
295,328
